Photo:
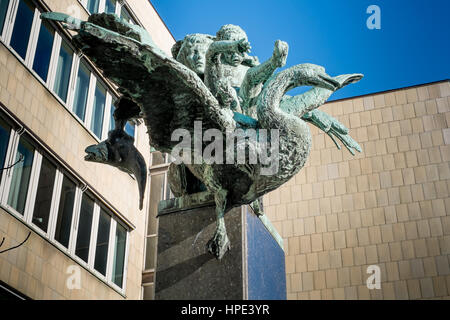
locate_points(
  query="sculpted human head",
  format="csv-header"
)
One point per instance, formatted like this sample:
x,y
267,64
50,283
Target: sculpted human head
x,y
191,51
233,33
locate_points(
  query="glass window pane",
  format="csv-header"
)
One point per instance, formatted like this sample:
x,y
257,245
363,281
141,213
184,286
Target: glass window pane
x,y
84,228
44,194
112,123
43,50
110,6
63,71
99,110
119,255
150,253
124,14
92,6
101,251
3,10
65,212
81,91
5,130
22,27
130,128
21,176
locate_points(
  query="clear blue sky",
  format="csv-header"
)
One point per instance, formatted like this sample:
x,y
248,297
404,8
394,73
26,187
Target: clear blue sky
x,y
412,47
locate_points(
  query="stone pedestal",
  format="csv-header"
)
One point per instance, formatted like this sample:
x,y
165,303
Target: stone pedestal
x,y
253,269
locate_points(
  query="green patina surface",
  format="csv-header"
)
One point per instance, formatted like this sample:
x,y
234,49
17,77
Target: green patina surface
x,y
212,79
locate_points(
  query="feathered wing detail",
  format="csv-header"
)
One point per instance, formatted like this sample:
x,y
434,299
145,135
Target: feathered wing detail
x,y
171,96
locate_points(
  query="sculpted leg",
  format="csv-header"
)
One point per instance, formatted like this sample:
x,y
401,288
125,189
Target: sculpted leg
x,y
220,243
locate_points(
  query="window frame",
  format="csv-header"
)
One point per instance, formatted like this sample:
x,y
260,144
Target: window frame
x,y
101,6
50,82
40,152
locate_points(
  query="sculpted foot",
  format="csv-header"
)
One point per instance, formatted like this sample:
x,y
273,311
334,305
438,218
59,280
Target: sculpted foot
x,y
219,245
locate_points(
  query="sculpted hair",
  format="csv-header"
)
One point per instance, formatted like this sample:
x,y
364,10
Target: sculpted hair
x,y
231,32
181,48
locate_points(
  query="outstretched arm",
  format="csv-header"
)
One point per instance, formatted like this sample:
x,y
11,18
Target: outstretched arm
x,y
223,46
261,73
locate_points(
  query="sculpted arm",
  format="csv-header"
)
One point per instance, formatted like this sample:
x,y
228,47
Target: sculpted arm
x,y
226,46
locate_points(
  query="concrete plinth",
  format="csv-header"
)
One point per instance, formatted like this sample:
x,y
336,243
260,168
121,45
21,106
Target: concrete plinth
x,y
254,268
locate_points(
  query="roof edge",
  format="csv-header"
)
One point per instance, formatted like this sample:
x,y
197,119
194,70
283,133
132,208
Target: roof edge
x,y
390,90
170,32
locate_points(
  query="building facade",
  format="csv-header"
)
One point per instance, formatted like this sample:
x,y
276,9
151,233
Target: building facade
x,y
84,236
343,216
83,233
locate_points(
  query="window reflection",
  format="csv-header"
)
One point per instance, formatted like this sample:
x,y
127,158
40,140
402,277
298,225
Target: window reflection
x,y
101,251
65,212
125,14
44,50
21,176
99,110
81,91
110,6
44,194
84,228
5,130
119,255
62,78
3,10
92,6
22,27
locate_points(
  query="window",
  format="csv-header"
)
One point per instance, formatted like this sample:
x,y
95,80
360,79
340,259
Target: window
x,y
112,123
62,77
65,212
44,50
99,110
93,6
110,6
101,250
81,91
130,128
21,175
119,255
49,55
44,194
3,10
125,14
84,228
22,27
5,130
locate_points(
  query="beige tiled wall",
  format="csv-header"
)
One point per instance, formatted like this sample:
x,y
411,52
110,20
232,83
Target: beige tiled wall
x,y
388,206
38,269
34,105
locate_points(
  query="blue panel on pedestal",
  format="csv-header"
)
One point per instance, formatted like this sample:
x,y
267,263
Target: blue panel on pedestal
x,y
265,263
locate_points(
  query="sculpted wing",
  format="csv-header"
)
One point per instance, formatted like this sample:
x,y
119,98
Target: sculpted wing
x,y
170,95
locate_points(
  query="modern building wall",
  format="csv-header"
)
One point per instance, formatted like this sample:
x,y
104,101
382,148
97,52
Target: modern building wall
x,y
40,268
388,206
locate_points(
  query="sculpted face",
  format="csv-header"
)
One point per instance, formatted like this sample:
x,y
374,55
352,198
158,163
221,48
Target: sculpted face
x,y
195,57
233,33
233,58
193,52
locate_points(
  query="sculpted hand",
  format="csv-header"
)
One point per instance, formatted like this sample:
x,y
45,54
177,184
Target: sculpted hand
x,y
243,46
280,53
